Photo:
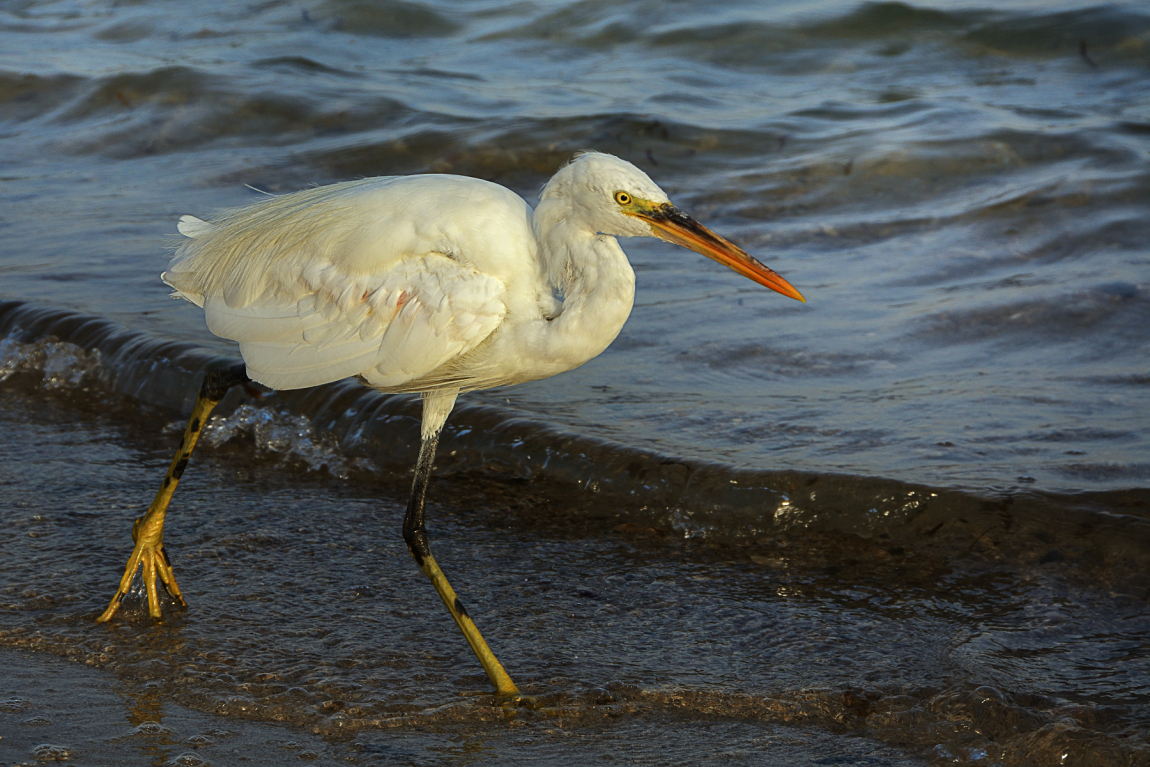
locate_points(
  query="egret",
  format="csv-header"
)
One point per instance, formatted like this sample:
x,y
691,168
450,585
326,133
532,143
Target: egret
x,y
434,284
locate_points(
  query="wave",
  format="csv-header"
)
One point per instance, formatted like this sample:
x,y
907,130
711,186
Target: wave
x,y
347,430
26,96
770,40
1115,31
391,18
1121,308
174,109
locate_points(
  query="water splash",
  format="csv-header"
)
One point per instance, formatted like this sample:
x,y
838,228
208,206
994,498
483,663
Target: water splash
x,y
58,365
345,429
291,437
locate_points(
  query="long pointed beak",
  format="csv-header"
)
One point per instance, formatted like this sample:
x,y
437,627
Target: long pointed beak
x,y
670,224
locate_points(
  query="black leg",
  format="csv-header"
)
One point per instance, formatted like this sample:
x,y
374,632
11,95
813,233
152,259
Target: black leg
x,y
420,547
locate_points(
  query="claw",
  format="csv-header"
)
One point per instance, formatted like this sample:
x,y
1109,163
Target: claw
x,y
148,530
148,555
518,700
153,560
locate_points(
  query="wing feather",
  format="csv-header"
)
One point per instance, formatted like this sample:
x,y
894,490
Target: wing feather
x,y
391,329
258,323
388,279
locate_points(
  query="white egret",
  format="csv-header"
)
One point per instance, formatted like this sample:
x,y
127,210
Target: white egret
x,y
434,284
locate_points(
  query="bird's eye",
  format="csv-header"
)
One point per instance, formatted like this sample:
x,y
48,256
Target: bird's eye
x,y
622,198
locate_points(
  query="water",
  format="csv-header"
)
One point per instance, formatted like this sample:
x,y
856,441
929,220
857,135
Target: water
x,y
905,522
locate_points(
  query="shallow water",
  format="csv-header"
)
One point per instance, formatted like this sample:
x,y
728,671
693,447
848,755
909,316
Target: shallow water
x,y
906,522
960,191
794,648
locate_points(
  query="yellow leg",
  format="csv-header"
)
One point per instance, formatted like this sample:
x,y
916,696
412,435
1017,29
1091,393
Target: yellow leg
x,y
435,410
148,530
495,672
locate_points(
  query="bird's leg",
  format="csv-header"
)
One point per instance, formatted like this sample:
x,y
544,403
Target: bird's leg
x,y
148,530
419,545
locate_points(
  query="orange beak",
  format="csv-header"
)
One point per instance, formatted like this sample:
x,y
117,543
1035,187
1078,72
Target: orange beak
x,y
669,223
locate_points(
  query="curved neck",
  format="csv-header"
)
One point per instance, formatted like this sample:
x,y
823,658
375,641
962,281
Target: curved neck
x,y
592,274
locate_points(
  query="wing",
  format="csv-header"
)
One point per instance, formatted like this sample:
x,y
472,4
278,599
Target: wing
x,y
325,287
392,329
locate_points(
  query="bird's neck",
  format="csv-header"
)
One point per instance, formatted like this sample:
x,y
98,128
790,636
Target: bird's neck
x,y
594,278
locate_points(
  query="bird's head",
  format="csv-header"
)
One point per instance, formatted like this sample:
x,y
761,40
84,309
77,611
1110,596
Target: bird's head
x,y
613,197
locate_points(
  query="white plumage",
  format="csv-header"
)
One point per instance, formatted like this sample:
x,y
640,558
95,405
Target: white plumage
x,y
348,280
428,283
432,284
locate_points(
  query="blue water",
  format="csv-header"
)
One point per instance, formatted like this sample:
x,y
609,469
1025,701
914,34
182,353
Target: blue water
x,y
961,193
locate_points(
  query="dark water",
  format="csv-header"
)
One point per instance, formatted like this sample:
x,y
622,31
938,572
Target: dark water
x,y
906,523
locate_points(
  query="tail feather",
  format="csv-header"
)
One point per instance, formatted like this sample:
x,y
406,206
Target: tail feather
x,y
192,227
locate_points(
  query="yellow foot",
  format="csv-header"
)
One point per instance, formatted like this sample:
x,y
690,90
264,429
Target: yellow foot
x,y
147,555
518,700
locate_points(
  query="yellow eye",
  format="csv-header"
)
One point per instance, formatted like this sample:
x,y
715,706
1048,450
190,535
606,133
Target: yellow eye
x,y
622,198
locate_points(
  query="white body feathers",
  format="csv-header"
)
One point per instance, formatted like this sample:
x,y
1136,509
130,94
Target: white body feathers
x,y
433,284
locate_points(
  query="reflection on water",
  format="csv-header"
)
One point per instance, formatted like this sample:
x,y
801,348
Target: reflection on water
x,y
903,522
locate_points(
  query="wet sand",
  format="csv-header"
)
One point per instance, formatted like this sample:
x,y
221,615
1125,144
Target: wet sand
x,y
53,710
312,635
307,612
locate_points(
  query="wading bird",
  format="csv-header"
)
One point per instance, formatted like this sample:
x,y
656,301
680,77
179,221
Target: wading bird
x,y
434,284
